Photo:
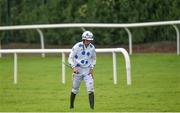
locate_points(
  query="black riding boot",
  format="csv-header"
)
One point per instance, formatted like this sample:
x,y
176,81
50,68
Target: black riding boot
x,y
72,98
91,100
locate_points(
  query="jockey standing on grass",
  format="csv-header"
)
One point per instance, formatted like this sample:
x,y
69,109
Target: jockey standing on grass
x,y
82,59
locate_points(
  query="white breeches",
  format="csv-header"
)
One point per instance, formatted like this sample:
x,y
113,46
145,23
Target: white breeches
x,y
83,75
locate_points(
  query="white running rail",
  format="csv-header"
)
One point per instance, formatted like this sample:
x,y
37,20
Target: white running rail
x,y
98,25
63,51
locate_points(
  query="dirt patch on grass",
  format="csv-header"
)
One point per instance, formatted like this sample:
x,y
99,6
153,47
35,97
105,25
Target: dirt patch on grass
x,y
169,47
156,47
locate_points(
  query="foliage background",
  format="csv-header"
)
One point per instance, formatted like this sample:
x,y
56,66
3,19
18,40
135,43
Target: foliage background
x,y
23,12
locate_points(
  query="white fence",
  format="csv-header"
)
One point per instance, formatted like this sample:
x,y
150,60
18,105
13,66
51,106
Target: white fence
x,y
63,51
96,25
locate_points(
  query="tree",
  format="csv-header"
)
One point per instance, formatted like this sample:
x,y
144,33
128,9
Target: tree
x,y
22,12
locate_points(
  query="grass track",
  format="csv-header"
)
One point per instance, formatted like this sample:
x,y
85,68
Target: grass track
x,y
156,85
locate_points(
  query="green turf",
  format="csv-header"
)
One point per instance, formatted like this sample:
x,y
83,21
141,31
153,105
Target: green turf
x,y
155,85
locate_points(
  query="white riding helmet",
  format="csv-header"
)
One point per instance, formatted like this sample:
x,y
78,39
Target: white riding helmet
x,y
87,35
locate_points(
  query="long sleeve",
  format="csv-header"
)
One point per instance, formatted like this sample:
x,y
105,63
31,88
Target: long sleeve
x,y
71,57
93,59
